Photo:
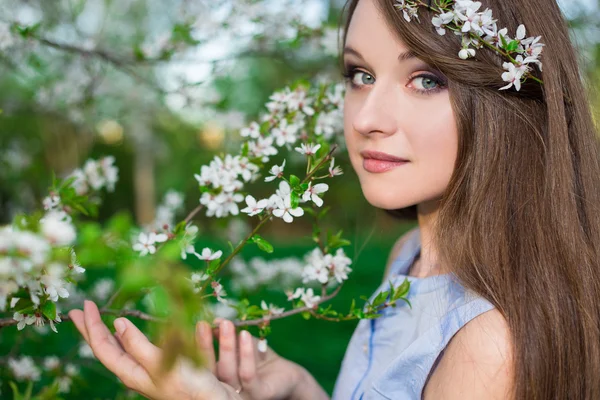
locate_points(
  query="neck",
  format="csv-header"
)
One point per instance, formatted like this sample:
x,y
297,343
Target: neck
x,y
427,264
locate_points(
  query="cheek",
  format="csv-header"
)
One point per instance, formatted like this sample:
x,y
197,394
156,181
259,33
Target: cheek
x,y
435,147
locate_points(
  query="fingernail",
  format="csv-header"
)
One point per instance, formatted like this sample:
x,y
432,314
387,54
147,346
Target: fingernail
x,y
202,328
245,336
120,326
225,328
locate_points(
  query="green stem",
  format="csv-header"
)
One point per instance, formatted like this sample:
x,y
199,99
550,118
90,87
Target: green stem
x,y
237,249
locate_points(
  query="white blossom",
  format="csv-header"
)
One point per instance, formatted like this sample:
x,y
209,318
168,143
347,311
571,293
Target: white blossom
x,y
146,242
308,149
312,193
110,172
71,369
51,362
276,172
271,308
514,74
254,207
85,351
24,369
173,199
334,170
263,148
218,291
208,254
441,20
51,202
23,320
285,133
6,37
57,229
75,265
252,131
198,277
64,384
262,345
103,288
298,100
285,211
53,280
307,296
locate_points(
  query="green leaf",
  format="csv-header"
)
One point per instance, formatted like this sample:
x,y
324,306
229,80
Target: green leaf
x,y
513,46
23,305
380,299
503,40
402,290
160,303
262,243
294,181
295,199
306,315
49,310
213,266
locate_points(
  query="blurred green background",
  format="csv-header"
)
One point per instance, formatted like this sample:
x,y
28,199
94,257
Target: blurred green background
x,y
163,86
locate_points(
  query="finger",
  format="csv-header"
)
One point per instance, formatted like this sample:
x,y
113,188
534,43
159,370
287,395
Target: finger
x,y
77,318
216,323
108,351
227,364
138,346
247,371
204,340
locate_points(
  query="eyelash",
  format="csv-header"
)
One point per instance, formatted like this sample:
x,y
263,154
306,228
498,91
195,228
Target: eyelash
x,y
350,70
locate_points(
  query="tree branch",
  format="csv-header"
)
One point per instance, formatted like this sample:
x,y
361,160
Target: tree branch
x,y
4,322
262,321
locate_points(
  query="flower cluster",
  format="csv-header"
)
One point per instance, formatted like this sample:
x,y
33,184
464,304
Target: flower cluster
x,y
306,296
7,39
322,267
37,262
479,29
222,181
167,210
94,176
290,113
257,272
28,261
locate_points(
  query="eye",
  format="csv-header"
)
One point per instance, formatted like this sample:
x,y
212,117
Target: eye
x,y
358,78
427,84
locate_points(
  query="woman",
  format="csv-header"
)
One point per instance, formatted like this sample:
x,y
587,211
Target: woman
x,y
504,263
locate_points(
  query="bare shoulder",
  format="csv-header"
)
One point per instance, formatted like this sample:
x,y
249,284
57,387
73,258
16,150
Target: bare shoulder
x,y
477,363
396,250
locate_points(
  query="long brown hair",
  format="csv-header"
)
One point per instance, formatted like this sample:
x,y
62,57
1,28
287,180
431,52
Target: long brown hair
x,y
519,221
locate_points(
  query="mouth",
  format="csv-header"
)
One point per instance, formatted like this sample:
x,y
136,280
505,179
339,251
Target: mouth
x,y
377,162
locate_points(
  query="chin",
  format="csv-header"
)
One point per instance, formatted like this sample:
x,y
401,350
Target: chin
x,y
387,199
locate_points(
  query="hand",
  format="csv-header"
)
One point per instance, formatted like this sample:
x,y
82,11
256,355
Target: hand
x,y
262,376
136,361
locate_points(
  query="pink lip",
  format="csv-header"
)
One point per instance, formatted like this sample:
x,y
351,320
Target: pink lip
x,y
377,162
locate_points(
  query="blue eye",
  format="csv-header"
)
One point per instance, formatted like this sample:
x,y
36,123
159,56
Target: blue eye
x,y
429,84
426,83
358,78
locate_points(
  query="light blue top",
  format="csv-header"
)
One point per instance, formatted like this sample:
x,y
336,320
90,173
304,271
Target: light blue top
x,y
391,357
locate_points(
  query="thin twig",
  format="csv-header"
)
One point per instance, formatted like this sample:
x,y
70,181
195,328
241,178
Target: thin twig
x,y
262,321
113,298
193,213
117,313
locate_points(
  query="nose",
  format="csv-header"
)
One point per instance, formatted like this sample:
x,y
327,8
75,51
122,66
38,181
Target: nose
x,y
378,112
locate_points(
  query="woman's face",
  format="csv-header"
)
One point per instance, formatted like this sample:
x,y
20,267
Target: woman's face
x,y
397,105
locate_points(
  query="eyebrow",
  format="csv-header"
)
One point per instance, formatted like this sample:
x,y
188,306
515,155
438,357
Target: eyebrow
x,y
407,55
